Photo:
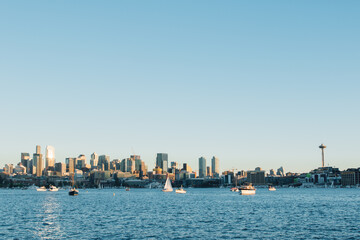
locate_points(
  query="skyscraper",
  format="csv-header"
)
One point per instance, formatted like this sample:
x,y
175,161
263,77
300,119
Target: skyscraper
x,y
162,161
25,161
60,169
280,172
38,161
202,167
104,163
49,157
81,161
208,171
94,160
215,168
70,165
38,149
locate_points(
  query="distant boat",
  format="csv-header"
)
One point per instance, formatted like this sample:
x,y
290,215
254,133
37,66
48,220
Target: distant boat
x,y
127,189
53,188
41,189
272,188
247,189
180,190
73,192
167,187
234,189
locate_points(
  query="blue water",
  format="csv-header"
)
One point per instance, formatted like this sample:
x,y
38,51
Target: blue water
x,y
200,214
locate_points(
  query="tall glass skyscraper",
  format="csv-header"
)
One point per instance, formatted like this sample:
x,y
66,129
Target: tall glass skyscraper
x,y
202,167
215,167
49,156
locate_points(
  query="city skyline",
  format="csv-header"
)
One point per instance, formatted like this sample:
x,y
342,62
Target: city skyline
x,y
256,84
161,160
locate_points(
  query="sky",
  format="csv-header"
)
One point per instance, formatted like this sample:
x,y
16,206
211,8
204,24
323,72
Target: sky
x,y
255,83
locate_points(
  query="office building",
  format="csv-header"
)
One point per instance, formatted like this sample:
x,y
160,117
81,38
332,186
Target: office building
x,y
80,161
49,157
280,172
186,167
9,168
162,161
104,163
208,171
256,177
94,160
130,165
215,166
25,158
38,161
202,167
350,177
70,165
60,169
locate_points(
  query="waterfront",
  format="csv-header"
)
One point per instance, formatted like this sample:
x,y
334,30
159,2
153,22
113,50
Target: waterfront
x,y
201,213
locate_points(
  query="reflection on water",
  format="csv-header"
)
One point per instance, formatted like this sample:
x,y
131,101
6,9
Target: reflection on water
x,y
49,216
201,213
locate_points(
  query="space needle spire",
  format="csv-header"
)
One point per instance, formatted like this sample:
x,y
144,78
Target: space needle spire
x,y
322,147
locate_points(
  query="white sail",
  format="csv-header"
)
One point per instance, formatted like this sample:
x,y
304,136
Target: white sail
x,y
168,187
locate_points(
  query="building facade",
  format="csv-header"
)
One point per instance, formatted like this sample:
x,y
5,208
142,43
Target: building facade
x,y
162,161
215,168
202,167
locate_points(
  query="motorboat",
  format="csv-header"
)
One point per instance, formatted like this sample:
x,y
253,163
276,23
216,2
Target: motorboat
x,y
248,189
272,188
234,189
53,188
167,187
127,189
73,192
41,189
180,190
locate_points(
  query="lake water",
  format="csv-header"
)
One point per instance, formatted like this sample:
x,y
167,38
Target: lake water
x,y
200,214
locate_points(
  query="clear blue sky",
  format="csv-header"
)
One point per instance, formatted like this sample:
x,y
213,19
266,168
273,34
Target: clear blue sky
x,y
256,83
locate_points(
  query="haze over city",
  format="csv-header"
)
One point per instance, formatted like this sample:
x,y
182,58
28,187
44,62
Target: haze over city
x,y
236,81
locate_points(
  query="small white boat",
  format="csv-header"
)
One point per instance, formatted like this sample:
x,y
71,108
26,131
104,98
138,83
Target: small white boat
x,y
247,190
180,190
53,188
272,188
167,187
41,189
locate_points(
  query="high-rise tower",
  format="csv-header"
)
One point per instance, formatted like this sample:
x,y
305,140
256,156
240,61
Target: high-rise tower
x,y
38,161
215,166
202,167
49,157
162,161
94,160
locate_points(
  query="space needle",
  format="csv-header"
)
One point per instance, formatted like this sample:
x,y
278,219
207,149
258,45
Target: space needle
x,y
322,146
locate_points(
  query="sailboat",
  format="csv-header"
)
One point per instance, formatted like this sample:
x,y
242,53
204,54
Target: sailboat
x,y
167,187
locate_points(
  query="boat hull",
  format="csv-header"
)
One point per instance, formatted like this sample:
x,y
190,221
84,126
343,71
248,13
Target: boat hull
x,y
167,190
41,190
247,192
73,193
180,191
